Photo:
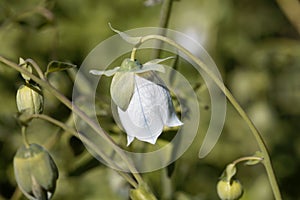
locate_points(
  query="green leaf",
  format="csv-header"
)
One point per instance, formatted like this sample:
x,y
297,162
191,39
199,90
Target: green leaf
x,y
122,88
55,66
127,38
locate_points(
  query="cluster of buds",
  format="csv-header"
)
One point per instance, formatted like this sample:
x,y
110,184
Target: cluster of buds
x,y
29,96
35,171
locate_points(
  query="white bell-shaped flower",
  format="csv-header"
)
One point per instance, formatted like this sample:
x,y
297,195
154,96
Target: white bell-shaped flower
x,y
144,104
149,110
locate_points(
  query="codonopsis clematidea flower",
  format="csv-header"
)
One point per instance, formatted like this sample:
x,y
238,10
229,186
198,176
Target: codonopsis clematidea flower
x,y
144,104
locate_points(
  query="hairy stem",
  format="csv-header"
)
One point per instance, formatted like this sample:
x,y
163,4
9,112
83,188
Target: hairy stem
x,y
233,101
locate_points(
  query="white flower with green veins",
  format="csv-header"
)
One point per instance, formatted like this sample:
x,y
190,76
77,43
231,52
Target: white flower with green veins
x,y
144,104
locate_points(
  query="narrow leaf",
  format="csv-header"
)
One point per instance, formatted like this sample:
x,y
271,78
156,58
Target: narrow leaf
x,y
127,38
55,66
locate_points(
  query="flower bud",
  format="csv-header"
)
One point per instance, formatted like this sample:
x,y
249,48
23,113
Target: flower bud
x,y
29,99
26,66
229,190
35,172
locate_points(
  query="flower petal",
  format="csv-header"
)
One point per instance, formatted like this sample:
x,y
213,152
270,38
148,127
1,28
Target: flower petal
x,y
109,72
149,110
122,88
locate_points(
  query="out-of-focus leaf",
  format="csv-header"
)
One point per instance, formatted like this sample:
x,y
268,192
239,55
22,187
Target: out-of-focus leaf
x,y
56,66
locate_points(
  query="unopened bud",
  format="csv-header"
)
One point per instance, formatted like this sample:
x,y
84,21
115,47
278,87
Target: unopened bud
x,y
30,99
35,172
26,66
229,190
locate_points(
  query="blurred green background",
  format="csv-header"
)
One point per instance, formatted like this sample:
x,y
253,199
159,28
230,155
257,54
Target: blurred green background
x,y
254,45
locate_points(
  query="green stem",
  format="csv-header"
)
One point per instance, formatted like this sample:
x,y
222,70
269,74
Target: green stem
x,y
247,158
239,109
45,84
74,132
165,14
36,67
24,136
55,122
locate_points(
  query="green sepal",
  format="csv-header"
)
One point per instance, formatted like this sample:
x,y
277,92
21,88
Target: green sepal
x,y
122,88
127,38
109,72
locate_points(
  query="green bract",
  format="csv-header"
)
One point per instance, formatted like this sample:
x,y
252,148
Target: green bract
x,y
35,172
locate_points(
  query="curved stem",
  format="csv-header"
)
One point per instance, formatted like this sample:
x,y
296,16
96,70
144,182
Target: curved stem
x,y
74,132
239,109
247,158
45,84
55,122
36,67
165,14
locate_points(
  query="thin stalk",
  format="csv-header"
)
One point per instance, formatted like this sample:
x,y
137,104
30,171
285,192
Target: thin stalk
x,y
56,122
165,14
247,158
239,109
45,84
36,67
24,136
74,132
